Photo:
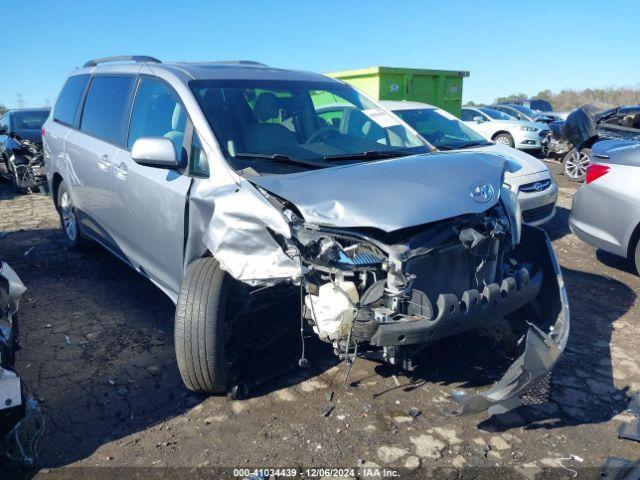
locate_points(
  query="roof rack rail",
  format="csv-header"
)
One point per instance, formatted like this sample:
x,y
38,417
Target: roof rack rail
x,y
240,62
121,58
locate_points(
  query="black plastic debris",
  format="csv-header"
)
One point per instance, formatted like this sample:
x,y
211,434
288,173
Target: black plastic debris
x,y
631,430
415,412
328,408
616,468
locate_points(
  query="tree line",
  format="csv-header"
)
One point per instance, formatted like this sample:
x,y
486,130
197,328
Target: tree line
x,y
569,98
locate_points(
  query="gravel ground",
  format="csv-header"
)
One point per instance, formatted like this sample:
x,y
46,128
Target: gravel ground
x,y
98,355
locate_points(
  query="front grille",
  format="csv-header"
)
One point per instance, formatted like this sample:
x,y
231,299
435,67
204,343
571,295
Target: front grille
x,y
540,186
535,214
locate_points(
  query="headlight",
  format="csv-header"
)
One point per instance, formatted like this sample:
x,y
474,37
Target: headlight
x,y
329,250
527,128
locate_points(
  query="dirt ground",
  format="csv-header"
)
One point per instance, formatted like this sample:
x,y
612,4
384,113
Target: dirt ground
x,y
98,355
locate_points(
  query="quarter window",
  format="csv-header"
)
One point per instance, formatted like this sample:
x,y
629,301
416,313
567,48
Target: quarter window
x,y
157,113
104,109
199,166
69,98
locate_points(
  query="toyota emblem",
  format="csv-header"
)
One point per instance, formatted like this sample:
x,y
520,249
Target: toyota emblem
x,y
481,192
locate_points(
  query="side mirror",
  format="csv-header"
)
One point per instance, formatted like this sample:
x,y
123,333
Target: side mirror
x,y
478,119
155,152
3,130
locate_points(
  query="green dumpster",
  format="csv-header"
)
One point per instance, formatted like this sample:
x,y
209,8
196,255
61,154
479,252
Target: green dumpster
x,y
442,88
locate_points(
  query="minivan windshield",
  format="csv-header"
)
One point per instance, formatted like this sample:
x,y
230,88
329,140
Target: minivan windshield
x,y
441,129
271,125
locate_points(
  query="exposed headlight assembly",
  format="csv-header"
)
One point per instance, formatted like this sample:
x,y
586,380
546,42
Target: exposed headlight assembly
x,y
329,250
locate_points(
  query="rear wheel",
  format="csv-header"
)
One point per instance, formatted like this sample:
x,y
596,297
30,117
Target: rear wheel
x,y
69,219
205,325
504,139
576,163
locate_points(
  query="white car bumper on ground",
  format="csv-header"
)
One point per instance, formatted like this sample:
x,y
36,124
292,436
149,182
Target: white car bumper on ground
x,y
525,140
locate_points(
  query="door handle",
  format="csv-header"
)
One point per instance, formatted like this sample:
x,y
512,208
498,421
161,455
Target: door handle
x,y
121,169
103,163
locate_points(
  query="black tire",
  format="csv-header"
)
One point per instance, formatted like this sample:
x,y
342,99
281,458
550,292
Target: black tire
x,y
201,327
635,260
504,139
575,163
65,206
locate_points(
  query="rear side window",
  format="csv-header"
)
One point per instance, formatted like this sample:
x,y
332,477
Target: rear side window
x,y
69,98
103,115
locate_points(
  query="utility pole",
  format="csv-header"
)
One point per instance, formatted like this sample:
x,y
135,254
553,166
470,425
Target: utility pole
x,y
20,100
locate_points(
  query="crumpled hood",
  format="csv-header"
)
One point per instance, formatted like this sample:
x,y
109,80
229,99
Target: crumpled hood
x,y
390,194
528,163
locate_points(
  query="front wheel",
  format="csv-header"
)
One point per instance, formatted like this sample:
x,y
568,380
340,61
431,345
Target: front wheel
x,y
204,327
575,164
504,139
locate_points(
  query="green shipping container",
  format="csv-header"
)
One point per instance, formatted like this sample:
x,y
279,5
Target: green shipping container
x,y
442,88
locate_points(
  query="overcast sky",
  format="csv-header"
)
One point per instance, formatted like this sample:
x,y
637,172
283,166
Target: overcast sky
x,y
508,46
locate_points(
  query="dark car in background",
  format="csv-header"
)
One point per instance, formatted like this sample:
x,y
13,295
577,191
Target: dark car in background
x,y
587,125
21,147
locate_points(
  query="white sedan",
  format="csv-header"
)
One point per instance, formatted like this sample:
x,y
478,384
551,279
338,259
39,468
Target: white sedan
x,y
537,191
504,129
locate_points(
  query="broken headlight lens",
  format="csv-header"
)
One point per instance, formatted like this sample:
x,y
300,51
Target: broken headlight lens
x,y
334,250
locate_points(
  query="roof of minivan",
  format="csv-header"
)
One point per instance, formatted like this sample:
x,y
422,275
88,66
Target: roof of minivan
x,y
214,71
404,105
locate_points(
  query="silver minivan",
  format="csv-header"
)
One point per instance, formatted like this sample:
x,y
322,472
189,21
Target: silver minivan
x,y
231,189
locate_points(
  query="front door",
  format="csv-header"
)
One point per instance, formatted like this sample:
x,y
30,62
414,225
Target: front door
x,y
151,226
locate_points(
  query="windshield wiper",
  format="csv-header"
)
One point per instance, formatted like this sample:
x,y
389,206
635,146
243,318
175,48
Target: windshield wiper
x,y
474,143
279,157
369,155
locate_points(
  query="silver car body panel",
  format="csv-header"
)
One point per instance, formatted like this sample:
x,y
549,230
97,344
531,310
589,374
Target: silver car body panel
x,y
606,212
377,194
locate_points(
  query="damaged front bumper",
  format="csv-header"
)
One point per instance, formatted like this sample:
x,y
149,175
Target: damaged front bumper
x,y
541,349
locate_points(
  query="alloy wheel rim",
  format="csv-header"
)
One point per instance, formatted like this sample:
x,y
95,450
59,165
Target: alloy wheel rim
x,y
68,216
503,141
577,164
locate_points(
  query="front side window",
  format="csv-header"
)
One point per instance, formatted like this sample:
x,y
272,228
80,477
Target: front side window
x,y
103,115
469,115
157,113
69,98
441,129
304,121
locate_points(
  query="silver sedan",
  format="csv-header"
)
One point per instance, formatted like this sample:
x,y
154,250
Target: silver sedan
x,y
606,208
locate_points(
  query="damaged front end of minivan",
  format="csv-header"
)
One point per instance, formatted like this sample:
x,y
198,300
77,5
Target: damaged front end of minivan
x,y
395,262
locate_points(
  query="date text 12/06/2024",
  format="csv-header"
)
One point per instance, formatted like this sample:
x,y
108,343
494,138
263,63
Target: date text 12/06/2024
x,y
265,473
